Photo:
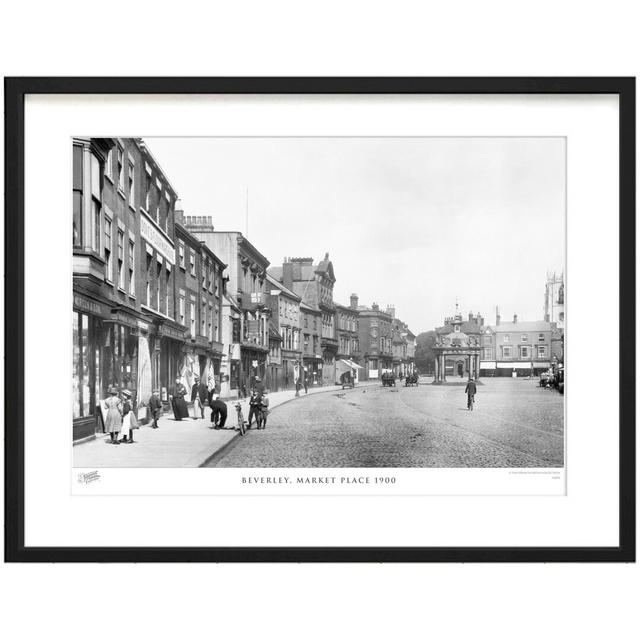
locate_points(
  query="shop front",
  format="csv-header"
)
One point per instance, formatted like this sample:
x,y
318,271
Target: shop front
x,y
167,357
313,370
253,363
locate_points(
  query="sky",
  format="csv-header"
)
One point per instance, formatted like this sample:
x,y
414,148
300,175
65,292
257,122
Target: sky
x,y
418,223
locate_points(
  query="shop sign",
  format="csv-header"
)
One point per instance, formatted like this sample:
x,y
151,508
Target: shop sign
x,y
88,305
154,236
171,332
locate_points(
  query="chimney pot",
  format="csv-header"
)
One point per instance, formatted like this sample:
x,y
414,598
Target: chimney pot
x,y
515,318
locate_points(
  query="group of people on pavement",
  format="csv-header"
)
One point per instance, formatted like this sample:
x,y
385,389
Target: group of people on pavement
x,y
120,421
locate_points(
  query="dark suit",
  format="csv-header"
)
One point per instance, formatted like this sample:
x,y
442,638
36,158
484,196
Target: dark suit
x,y
218,411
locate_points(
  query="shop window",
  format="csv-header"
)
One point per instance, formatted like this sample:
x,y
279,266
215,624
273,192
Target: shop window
x,y
83,367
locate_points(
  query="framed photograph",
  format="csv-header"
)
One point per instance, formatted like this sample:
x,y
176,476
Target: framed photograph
x,y
320,319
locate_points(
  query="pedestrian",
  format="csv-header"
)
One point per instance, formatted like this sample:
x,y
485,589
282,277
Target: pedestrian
x,y
155,407
265,410
297,387
255,403
128,418
177,401
198,397
470,390
113,422
305,380
218,411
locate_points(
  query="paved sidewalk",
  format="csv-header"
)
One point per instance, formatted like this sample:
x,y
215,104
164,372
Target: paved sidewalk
x,y
187,443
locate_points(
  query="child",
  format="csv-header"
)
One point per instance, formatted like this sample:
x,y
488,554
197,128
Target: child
x,y
128,419
155,407
113,422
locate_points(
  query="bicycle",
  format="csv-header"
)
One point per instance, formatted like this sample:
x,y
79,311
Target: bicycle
x,y
241,424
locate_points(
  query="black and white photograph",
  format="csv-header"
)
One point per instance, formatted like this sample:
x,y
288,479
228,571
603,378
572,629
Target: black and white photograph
x,y
318,302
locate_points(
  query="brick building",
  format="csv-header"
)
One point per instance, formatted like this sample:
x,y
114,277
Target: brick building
x,y
199,303
517,347
123,258
246,309
285,310
375,337
314,284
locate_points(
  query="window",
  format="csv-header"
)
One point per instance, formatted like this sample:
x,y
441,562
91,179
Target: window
x,y
524,337
147,191
96,202
486,353
210,332
542,351
108,267
203,319
120,259
120,169
192,263
192,311
181,254
132,182
167,302
525,352
506,352
158,274
147,295
132,268
77,196
505,338
541,337
84,393
181,310
108,165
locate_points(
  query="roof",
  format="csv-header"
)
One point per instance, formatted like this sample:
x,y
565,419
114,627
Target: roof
x,y
465,327
280,286
306,307
509,327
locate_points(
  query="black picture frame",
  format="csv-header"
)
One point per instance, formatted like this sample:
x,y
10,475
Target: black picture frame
x,y
15,91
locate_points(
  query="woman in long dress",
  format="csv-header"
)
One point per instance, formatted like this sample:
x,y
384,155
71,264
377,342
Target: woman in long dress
x,y
177,401
113,421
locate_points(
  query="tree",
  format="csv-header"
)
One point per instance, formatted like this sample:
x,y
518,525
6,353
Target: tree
x,y
425,355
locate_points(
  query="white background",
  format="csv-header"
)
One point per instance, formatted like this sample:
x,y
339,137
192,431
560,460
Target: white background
x,y
490,38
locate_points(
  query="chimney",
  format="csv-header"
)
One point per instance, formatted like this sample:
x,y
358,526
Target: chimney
x,y
179,212
515,318
375,307
497,317
354,301
287,275
470,316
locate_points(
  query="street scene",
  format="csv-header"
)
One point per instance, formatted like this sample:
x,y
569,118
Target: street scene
x,y
197,344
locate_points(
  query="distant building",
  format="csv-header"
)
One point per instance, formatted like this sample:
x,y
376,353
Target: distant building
x,y
314,284
458,347
554,299
285,310
375,336
517,347
311,335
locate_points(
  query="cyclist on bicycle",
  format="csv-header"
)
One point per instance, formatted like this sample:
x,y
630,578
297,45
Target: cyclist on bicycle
x,y
470,390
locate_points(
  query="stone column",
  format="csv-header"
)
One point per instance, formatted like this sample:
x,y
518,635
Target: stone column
x,y
444,370
477,358
436,369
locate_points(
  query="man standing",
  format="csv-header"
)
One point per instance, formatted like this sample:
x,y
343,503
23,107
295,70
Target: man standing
x,y
198,397
470,390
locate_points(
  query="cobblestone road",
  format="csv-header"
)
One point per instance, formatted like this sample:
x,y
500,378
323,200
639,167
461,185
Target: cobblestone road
x,y
514,423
